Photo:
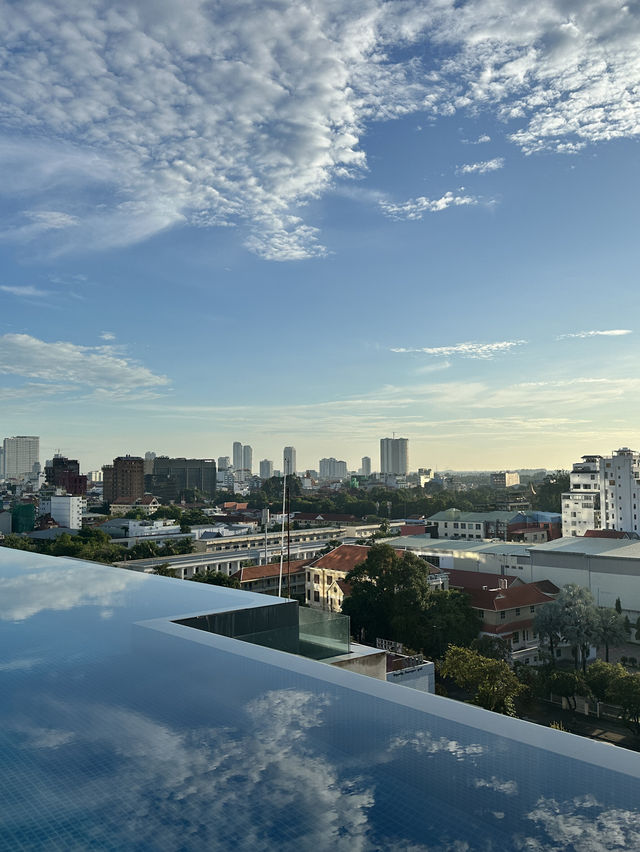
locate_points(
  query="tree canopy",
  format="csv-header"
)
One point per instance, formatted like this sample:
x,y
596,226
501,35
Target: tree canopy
x,y
493,685
391,599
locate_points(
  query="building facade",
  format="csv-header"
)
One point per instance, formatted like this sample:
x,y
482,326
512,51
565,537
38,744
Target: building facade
x,y
365,468
581,504
394,456
20,454
505,479
332,469
62,472
65,509
123,478
172,477
266,469
289,461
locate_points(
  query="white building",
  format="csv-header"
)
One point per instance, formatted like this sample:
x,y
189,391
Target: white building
x,y
604,494
332,469
237,455
581,504
65,509
365,470
505,479
20,454
394,456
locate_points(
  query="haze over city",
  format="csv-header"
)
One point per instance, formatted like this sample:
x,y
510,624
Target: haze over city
x,y
317,224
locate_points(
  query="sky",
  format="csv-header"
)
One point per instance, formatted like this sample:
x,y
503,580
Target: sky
x,y
318,224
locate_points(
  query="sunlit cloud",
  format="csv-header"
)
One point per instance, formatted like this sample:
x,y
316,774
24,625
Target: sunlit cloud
x,y
466,350
610,332
415,208
481,168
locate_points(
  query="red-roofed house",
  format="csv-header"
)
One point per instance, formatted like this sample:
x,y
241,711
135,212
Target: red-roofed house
x,y
508,607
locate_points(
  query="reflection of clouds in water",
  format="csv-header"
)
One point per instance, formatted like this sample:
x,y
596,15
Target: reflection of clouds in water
x,y
509,788
44,737
423,743
258,787
60,589
581,823
22,664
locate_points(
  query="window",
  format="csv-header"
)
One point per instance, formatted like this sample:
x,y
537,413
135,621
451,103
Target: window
x,y
463,526
308,576
503,615
517,610
329,579
316,578
532,609
316,597
455,525
516,638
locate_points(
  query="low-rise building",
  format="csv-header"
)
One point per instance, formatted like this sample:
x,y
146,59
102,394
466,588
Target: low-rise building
x,y
147,505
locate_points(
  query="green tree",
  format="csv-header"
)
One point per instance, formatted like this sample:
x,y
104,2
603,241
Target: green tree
x,y
493,684
579,621
216,578
610,629
17,542
548,623
567,684
165,570
449,620
600,677
625,692
493,647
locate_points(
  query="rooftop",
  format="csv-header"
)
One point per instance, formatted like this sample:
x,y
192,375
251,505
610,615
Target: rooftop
x,y
123,729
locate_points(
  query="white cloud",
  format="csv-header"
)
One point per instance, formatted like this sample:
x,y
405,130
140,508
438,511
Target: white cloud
x,y
240,113
107,335
415,208
467,350
98,368
24,291
483,167
610,332
481,140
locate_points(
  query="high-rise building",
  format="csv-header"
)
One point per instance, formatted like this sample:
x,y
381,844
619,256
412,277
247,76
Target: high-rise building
x,y
62,472
366,466
123,478
224,462
237,455
332,469
149,456
172,477
581,504
20,454
289,459
394,456
505,479
266,469
247,460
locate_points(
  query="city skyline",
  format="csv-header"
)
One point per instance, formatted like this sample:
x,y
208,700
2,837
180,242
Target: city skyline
x,y
422,213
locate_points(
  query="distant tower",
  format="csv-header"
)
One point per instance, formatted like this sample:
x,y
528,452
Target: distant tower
x,y
366,466
237,455
247,459
223,463
20,454
266,469
289,458
394,456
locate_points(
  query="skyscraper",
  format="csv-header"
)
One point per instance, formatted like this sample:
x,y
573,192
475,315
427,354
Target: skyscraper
x,y
20,454
62,472
366,466
247,459
266,469
394,456
237,455
289,457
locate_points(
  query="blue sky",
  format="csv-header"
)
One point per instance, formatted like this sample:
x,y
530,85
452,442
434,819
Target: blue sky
x,y
317,223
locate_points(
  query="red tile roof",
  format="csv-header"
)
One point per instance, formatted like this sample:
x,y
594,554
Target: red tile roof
x,y
505,630
528,594
343,558
261,572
